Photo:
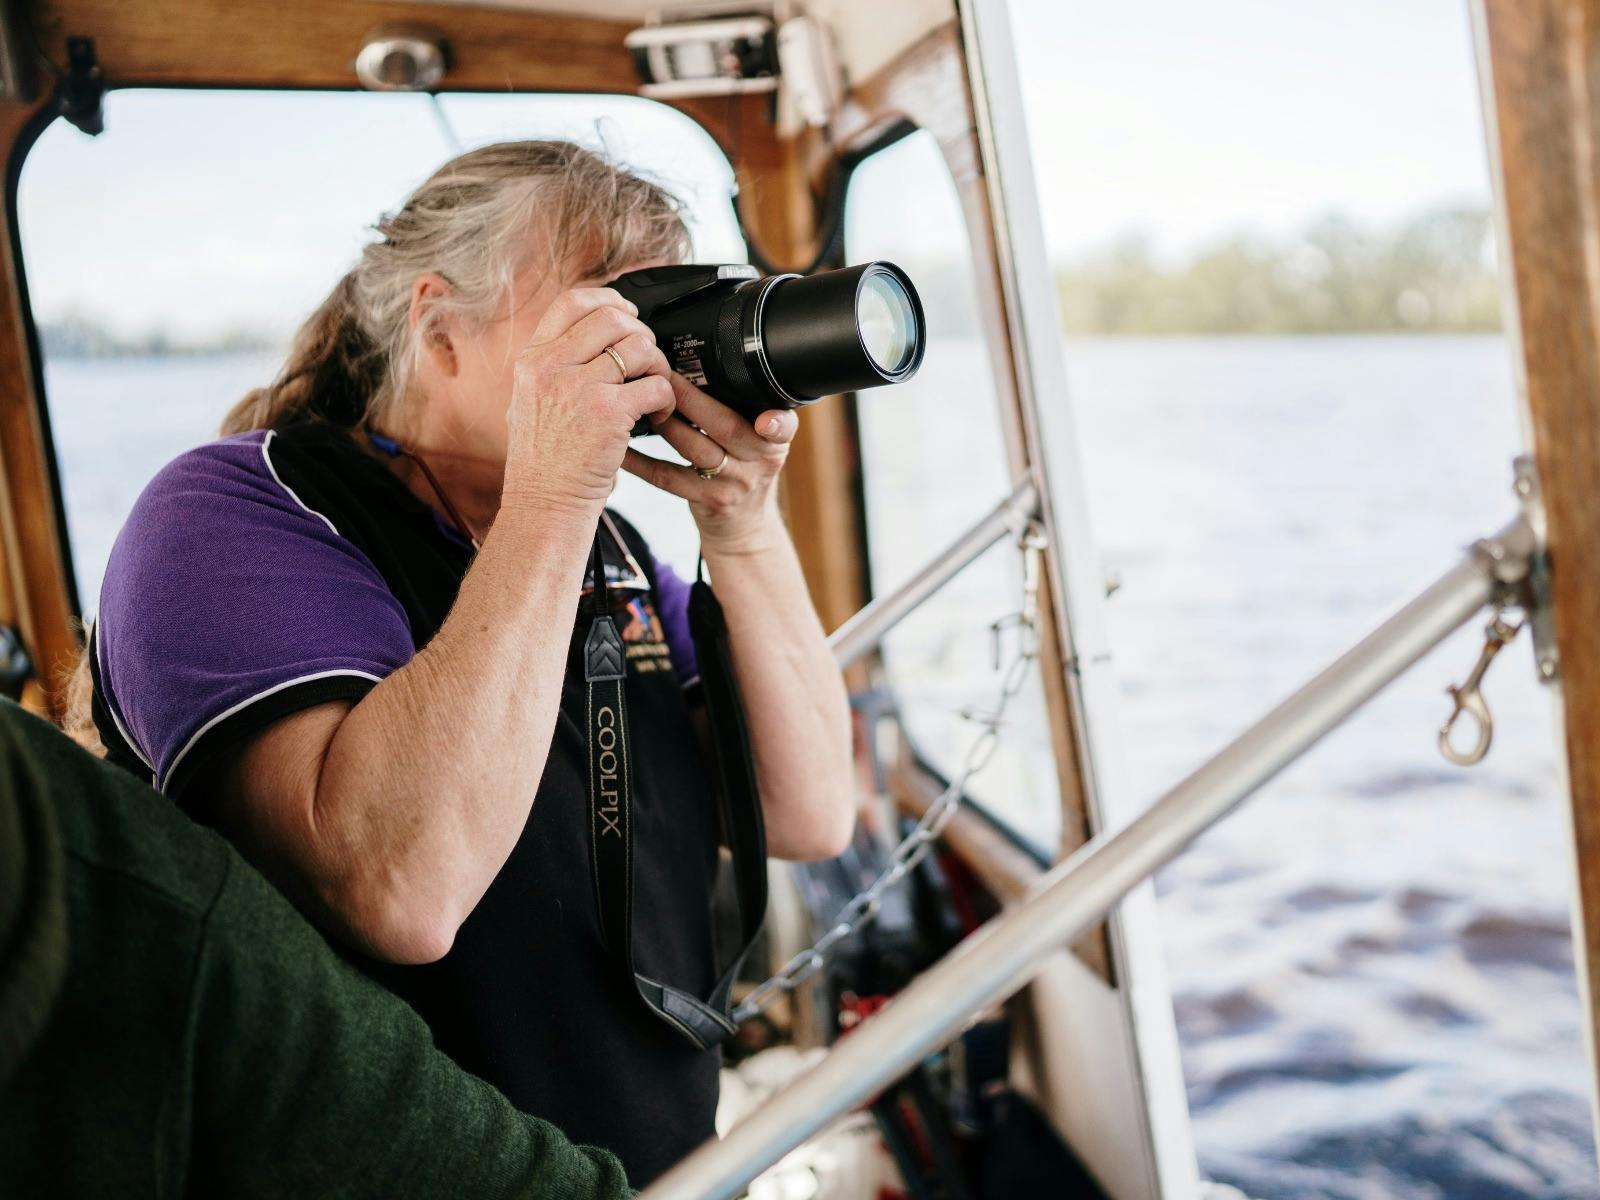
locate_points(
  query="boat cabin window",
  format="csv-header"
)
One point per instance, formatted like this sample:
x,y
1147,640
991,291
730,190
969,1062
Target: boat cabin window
x,y
933,462
1272,232
170,259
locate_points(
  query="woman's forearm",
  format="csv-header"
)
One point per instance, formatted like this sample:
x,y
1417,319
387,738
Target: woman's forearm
x,y
794,695
434,772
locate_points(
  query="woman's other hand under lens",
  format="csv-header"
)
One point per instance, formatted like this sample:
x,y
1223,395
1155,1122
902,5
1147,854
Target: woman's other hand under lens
x,y
736,510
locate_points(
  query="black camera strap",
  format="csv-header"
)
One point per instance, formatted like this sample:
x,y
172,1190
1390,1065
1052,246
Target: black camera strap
x,y
705,1023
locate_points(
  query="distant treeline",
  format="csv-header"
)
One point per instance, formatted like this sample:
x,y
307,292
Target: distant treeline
x,y
78,336
1434,273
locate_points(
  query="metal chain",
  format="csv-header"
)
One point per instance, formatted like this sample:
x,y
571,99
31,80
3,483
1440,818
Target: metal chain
x,y
911,851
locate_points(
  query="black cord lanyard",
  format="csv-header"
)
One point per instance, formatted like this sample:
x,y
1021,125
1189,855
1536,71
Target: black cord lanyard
x,y
395,450
704,1023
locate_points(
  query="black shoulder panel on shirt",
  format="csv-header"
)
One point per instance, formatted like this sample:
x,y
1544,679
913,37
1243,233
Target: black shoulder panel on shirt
x,y
239,727
369,506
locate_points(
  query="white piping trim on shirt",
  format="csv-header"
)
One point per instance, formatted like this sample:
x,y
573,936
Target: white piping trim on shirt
x,y
111,707
246,703
266,457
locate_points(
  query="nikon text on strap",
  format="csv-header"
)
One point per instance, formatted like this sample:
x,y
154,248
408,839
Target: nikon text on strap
x,y
705,1023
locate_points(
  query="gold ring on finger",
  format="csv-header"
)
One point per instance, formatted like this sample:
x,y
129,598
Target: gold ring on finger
x,y
622,367
712,472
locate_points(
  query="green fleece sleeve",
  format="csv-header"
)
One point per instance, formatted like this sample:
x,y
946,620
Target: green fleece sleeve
x,y
310,1080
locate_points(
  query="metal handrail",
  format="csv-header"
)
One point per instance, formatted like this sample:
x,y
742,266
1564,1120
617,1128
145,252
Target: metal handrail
x,y
872,623
1005,954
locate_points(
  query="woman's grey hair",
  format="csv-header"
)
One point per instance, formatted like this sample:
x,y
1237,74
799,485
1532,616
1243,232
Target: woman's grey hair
x,y
354,359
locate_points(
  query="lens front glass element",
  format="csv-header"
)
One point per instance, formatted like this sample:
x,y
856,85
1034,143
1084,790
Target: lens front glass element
x,y
887,320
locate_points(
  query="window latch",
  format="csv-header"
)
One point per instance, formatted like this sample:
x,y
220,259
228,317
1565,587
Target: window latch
x,y
81,92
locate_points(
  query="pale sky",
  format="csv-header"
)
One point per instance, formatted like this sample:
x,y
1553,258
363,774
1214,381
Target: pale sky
x,y
1184,120
1188,118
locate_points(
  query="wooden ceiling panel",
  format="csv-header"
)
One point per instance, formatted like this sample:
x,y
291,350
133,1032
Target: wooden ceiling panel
x,y
313,43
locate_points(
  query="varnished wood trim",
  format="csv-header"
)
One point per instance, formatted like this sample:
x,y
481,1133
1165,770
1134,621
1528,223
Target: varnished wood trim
x,y
313,43
1545,101
36,596
927,86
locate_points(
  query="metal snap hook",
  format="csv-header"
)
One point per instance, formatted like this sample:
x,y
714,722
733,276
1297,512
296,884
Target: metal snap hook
x,y
1469,699
1468,703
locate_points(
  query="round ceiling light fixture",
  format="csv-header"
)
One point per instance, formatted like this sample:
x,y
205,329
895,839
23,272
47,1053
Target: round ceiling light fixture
x,y
401,60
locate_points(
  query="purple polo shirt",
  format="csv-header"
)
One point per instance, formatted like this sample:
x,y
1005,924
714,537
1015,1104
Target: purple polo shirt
x,y
224,589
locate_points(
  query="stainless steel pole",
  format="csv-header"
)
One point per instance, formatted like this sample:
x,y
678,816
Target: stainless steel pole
x,y
868,627
1004,955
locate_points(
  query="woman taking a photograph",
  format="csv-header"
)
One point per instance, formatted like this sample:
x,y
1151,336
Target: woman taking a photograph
x,y
348,635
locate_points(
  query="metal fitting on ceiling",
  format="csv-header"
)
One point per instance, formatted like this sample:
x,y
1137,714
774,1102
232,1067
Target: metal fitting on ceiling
x,y
401,60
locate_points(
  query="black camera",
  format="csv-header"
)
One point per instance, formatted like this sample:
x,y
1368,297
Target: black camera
x,y
785,340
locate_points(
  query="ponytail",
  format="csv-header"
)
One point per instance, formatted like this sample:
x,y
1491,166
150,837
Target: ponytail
x,y
77,709
333,370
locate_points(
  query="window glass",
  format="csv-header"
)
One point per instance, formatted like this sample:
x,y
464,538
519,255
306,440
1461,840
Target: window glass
x,y
1270,227
235,213
934,463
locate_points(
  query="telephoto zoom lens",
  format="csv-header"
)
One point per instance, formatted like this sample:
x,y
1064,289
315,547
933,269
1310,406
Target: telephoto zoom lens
x,y
785,340
841,331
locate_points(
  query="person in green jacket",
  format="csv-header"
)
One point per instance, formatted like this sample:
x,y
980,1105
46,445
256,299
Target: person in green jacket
x,y
170,1026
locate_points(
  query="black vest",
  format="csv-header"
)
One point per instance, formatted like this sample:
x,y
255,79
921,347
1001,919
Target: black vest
x,y
528,997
